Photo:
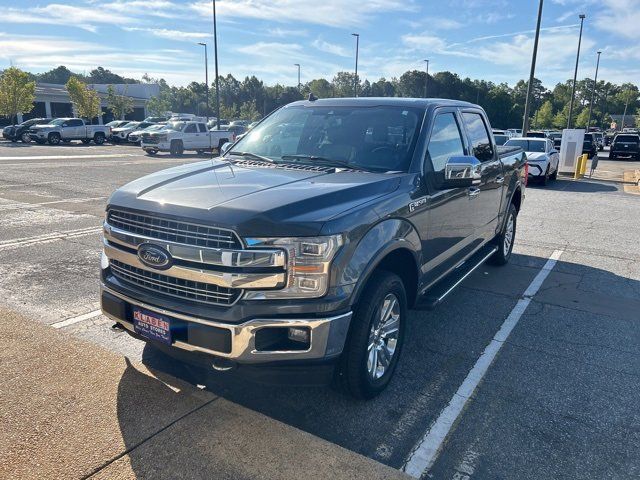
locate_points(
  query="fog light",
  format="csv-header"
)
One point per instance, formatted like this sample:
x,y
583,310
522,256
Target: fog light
x,y
298,334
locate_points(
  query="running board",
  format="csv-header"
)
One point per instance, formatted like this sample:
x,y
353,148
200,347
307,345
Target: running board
x,y
436,294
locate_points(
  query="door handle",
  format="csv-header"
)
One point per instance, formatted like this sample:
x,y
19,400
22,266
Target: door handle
x,y
500,180
473,192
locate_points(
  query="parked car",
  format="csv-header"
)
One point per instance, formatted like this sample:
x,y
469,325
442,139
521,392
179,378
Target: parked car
x,y
608,138
590,145
536,134
21,131
136,135
236,129
68,129
542,157
514,132
501,139
116,123
121,134
302,258
556,138
159,119
599,140
625,145
177,137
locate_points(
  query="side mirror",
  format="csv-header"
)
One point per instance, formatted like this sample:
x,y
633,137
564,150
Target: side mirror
x,y
462,171
65,124
225,148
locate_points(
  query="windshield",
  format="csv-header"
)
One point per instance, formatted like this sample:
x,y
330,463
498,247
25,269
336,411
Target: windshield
x,y
177,126
131,125
379,138
57,121
528,145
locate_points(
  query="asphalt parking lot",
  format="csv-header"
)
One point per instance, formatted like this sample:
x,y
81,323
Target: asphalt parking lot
x,y
559,400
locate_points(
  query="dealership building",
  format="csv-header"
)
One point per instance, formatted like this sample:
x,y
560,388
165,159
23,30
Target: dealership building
x,y
52,100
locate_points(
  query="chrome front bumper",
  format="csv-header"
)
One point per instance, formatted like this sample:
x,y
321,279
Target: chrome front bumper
x,y
328,334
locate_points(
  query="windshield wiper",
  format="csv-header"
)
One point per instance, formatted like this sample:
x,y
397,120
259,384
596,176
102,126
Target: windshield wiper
x,y
322,160
251,155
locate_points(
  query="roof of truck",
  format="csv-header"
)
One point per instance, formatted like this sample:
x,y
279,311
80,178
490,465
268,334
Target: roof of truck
x,y
387,101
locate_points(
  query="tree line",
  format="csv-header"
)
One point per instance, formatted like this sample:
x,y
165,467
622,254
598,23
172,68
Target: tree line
x,y
252,99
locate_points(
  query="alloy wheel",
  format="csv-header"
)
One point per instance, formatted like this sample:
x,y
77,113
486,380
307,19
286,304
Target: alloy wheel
x,y
383,337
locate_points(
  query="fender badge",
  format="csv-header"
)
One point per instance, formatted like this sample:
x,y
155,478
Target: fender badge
x,y
417,203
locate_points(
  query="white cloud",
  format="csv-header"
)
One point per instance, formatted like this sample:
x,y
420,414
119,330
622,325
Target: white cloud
x,y
335,13
283,32
331,48
621,18
177,35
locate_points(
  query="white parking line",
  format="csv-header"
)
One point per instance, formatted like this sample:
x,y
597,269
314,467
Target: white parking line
x,y
20,242
14,206
34,184
79,318
71,157
426,451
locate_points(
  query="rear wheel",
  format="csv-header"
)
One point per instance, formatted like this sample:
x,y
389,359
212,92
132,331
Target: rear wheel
x,y
98,138
176,148
505,239
54,138
375,338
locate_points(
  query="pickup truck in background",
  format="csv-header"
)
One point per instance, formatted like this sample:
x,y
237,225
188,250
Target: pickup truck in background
x,y
296,255
67,129
179,136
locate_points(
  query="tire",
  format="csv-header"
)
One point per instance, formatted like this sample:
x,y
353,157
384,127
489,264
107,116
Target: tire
x,y
176,148
361,372
54,138
612,156
98,138
506,238
200,151
25,138
554,175
151,152
545,180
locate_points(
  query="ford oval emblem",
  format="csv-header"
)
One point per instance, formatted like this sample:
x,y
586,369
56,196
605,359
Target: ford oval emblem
x,y
154,256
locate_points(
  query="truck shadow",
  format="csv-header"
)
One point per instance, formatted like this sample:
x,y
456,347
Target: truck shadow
x,y
440,349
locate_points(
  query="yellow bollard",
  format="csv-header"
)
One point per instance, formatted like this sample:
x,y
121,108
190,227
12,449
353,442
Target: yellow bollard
x,y
583,168
576,172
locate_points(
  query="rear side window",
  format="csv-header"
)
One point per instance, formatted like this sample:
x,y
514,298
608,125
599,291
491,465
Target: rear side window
x,y
202,127
191,128
478,136
445,141
74,123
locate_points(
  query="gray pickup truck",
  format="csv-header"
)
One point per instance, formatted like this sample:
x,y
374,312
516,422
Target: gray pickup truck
x,y
68,129
302,248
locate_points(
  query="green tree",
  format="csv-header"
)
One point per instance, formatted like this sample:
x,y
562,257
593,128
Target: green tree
x,y
320,87
17,92
544,115
119,105
159,105
59,75
85,101
248,111
582,118
561,117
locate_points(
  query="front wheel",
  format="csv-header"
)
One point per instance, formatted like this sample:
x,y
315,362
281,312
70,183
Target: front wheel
x,y
25,138
504,241
54,138
375,338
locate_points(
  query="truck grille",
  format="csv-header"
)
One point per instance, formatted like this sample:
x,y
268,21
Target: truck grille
x,y
175,287
150,139
173,230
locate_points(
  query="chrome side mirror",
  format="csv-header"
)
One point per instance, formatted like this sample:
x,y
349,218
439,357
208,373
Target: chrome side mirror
x,y
462,171
225,148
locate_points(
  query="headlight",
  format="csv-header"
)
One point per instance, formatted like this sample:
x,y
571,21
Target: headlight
x,y
308,262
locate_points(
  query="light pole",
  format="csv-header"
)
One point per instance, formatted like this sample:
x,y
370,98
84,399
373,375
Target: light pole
x,y
206,84
355,80
426,79
593,94
575,74
215,54
527,103
298,65
626,105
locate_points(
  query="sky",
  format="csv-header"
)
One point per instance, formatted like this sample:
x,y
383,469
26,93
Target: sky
x,y
483,39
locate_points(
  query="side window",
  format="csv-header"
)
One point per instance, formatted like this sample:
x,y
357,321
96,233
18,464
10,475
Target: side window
x,y
202,127
445,141
478,136
191,128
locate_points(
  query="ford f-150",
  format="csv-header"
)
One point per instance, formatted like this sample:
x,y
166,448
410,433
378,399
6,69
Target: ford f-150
x,y
305,244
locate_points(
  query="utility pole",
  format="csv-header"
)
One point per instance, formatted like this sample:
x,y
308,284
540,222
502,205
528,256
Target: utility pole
x,y
593,94
426,79
527,103
215,54
355,80
298,65
206,84
575,74
626,105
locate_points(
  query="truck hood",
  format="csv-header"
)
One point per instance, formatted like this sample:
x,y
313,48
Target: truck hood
x,y
44,126
256,201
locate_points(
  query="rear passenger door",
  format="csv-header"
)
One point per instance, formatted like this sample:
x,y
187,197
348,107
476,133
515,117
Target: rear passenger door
x,y
190,138
487,196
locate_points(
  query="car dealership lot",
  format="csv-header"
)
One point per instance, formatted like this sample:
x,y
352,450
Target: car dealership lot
x,y
559,400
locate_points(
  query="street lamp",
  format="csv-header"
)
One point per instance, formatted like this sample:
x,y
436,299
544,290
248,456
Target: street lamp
x,y
215,54
426,79
355,80
298,65
206,84
527,103
575,74
593,94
